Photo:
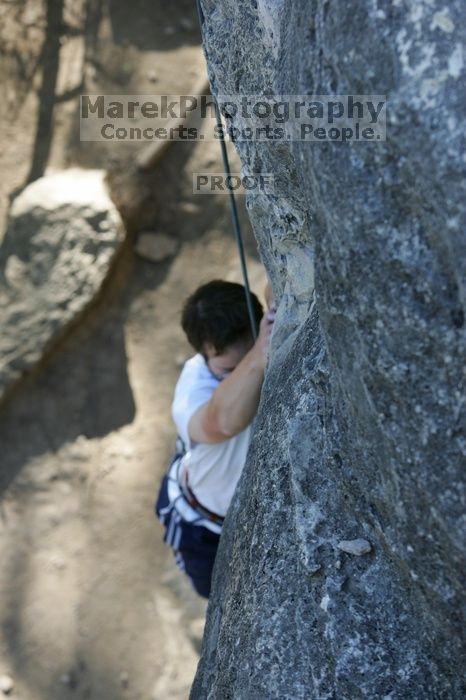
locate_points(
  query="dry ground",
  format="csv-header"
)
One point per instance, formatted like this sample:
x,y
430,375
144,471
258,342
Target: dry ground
x,y
91,603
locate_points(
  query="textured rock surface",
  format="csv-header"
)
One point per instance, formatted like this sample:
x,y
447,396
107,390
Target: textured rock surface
x,y
62,234
360,432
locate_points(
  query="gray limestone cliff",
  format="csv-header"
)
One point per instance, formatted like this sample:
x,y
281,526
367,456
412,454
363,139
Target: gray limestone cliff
x,y
360,432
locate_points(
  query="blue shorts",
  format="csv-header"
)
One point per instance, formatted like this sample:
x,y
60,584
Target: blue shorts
x,y
194,546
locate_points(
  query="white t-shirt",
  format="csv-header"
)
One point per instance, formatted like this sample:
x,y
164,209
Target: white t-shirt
x,y
213,469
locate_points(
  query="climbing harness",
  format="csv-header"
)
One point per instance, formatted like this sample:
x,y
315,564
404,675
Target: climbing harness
x,y
176,502
192,500
233,208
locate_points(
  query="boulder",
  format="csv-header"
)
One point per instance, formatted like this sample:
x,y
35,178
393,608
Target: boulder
x,y
155,247
360,434
62,235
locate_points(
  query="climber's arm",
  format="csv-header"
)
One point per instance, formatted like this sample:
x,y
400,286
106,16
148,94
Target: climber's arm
x,y
235,400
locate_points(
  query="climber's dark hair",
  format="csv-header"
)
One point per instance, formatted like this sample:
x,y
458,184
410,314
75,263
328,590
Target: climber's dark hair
x,y
217,313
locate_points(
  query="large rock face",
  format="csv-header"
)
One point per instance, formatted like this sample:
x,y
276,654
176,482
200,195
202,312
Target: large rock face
x,y
360,432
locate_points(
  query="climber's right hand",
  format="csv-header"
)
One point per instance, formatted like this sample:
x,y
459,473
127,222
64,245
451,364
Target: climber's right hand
x,y
262,344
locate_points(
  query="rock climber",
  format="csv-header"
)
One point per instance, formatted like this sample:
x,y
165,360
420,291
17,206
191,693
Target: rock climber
x,y
215,401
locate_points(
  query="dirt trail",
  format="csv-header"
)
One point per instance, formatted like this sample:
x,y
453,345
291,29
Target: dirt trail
x,y
89,592
92,605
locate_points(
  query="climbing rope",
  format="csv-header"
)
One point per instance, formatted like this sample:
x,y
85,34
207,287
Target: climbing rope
x,y
233,208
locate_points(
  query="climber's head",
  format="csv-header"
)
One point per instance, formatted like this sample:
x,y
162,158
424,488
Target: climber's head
x,y
216,321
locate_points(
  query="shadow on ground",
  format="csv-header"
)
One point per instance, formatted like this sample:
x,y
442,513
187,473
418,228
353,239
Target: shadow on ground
x,y
90,594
